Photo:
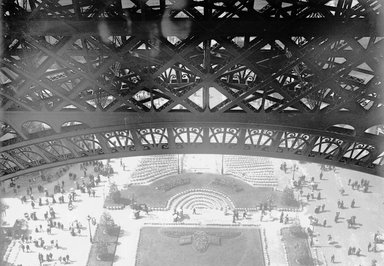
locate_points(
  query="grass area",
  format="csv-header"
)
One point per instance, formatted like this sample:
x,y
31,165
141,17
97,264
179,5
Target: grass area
x,y
241,193
296,245
111,244
170,246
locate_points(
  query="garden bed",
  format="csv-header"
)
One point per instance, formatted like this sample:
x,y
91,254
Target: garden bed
x,y
241,193
110,241
189,246
296,246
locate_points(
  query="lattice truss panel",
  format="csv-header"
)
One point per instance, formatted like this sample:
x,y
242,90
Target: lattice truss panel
x,y
205,139
171,66
322,59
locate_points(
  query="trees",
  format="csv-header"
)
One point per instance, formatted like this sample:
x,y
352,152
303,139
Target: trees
x,y
114,193
288,197
108,223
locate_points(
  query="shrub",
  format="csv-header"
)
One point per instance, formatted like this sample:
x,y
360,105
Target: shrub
x,y
107,220
114,193
116,197
298,232
109,224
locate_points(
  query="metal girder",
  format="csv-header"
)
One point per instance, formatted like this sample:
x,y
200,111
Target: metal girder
x,y
142,71
144,29
362,154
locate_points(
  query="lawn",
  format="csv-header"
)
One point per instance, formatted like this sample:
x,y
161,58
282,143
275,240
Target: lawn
x,y
241,193
188,246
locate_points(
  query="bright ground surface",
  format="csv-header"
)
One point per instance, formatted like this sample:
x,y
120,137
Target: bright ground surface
x,y
369,213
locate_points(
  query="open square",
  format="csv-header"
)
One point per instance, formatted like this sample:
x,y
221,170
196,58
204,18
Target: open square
x,y
187,246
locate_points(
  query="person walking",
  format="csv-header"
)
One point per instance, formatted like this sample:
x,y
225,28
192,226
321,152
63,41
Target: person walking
x,y
333,258
369,247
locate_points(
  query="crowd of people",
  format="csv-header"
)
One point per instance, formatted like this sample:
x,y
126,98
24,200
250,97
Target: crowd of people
x,y
42,197
43,201
357,185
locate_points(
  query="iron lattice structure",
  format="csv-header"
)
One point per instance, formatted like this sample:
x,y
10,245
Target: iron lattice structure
x,y
87,79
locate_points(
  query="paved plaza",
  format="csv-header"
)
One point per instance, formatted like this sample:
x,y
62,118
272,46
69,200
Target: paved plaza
x,y
368,211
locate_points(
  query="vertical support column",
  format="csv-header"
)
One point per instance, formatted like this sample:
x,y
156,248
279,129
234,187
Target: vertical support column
x,y
171,138
207,9
242,137
276,140
77,9
162,6
206,98
207,56
136,140
206,136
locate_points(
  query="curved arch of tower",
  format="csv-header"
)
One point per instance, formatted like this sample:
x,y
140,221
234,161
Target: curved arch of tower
x,y
85,80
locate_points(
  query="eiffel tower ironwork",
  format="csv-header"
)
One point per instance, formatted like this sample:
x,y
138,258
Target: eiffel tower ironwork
x,y
85,79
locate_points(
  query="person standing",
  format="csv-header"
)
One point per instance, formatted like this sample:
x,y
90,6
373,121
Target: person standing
x,y
333,258
358,252
353,204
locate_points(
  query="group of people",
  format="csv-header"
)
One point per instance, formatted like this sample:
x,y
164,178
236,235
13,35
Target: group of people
x,y
284,219
354,251
356,185
363,185
41,239
178,215
372,247
49,257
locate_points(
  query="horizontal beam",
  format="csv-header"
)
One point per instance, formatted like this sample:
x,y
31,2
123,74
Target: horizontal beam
x,y
309,121
200,150
268,27
289,143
